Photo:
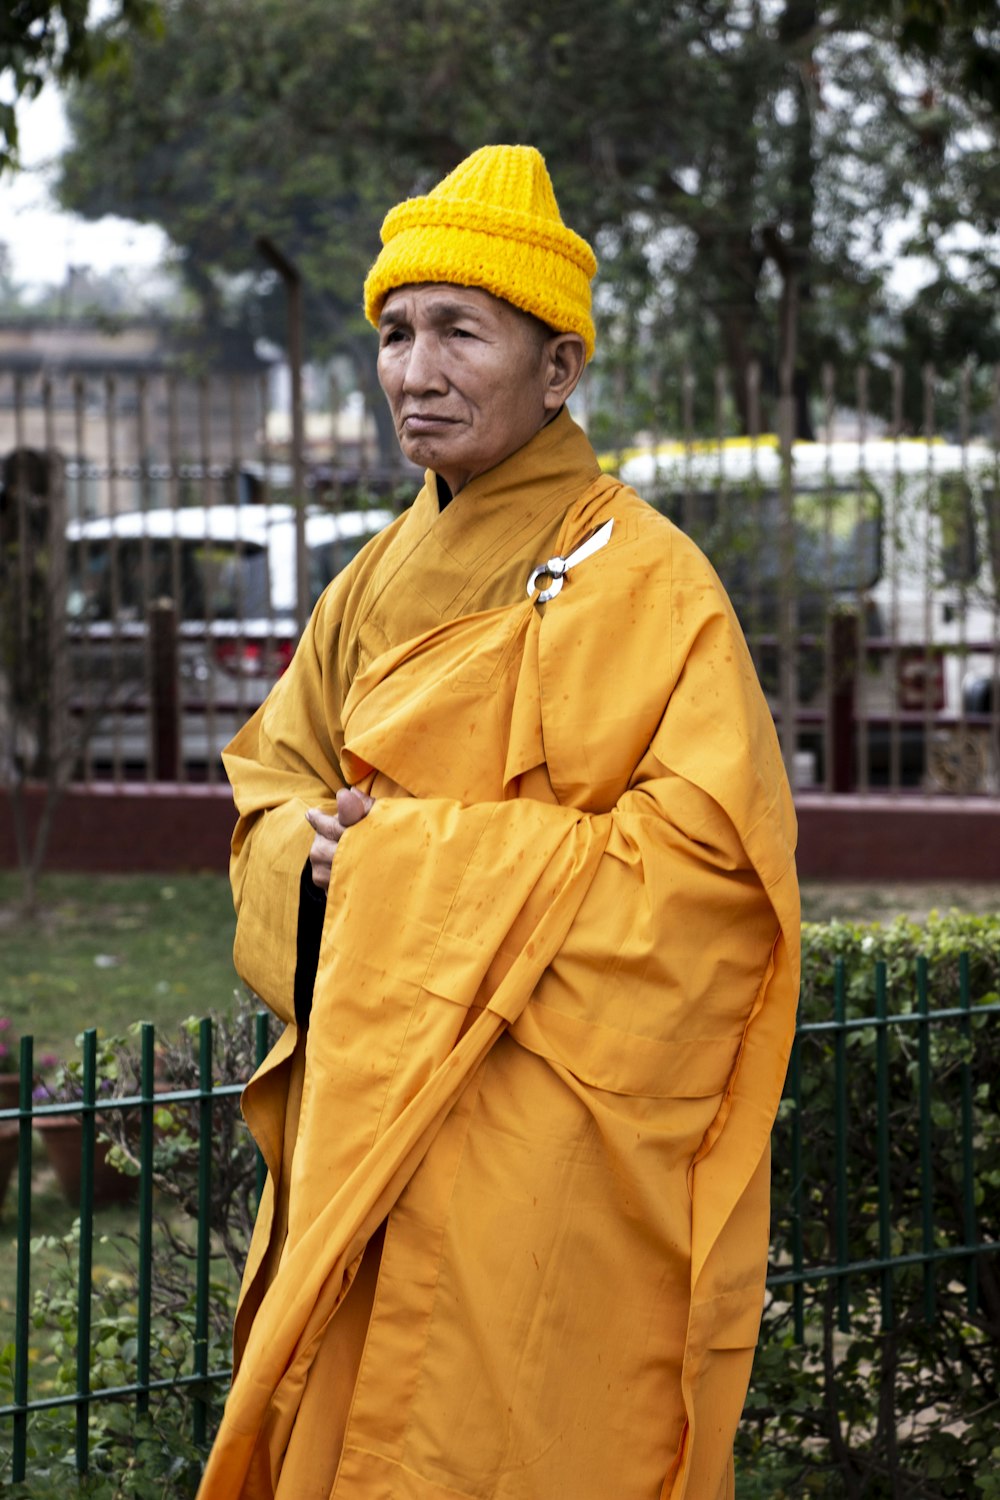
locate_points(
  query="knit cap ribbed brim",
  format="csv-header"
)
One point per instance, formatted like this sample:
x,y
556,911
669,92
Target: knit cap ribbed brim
x,y
493,223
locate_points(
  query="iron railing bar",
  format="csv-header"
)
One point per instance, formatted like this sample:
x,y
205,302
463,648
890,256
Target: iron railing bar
x,y
82,555
861,715
828,594
114,584
84,1285
146,567
211,572
788,601
896,512
176,580
926,1167
903,1017
840,1127
882,1142
795,1079
115,1392
19,1457
968,552
124,1101
829,1271
241,590
931,504
968,1161
162,473
993,539
144,1317
203,1248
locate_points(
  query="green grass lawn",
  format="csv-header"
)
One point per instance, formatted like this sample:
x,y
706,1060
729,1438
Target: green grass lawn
x,y
882,901
109,950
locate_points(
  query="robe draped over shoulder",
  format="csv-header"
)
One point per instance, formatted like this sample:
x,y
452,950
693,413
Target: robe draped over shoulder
x,y
551,1017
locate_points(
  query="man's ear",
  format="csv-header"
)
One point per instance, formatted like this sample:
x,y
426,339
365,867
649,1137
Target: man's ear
x,y
565,360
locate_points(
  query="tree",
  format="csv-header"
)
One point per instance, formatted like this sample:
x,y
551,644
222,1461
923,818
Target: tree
x,y
33,687
738,165
42,39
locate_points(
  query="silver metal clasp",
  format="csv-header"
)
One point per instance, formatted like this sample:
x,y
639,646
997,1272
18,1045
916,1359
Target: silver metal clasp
x,y
556,570
557,567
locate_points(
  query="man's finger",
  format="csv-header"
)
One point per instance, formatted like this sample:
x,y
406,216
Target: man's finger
x,y
352,806
327,825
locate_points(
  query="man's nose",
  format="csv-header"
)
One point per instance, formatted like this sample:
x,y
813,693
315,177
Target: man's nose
x,y
423,370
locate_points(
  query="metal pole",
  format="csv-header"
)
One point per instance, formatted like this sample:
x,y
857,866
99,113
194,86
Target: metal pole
x,y
292,278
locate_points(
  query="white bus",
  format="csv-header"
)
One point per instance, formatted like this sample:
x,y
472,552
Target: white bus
x,y
903,533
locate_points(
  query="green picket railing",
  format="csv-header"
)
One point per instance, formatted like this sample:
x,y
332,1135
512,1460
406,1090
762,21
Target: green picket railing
x,y
87,1109
792,1269
842,1269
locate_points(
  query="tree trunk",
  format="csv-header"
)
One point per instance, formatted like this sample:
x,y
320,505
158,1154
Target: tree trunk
x,y
798,28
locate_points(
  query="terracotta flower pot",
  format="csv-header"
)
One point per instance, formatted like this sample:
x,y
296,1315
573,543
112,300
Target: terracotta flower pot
x,y
10,1090
63,1137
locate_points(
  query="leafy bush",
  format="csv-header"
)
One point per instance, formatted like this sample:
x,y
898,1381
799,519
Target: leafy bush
x,y
160,1452
233,1164
901,1400
151,1456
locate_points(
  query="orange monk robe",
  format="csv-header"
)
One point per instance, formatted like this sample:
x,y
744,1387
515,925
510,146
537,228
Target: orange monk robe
x,y
551,1018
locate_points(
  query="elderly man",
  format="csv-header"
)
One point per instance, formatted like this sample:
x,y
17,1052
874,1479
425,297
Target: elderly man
x,y
514,862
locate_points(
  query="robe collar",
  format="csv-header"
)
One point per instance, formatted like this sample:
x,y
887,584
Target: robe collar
x,y
477,553
521,496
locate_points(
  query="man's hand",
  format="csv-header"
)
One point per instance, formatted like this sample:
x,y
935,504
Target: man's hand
x,y
352,806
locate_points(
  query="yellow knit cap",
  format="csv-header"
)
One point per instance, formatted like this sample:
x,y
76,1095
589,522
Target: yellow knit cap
x,y
493,223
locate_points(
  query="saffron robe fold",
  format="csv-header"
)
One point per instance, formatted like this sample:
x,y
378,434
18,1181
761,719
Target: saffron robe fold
x,y
552,1012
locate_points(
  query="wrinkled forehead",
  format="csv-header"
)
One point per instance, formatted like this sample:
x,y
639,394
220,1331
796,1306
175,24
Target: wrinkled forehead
x,y
440,302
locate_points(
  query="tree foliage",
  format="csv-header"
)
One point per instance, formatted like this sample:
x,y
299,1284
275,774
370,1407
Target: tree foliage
x,y
745,170
41,39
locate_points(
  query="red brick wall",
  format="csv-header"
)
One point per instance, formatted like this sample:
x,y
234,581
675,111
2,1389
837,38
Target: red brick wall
x,y
168,828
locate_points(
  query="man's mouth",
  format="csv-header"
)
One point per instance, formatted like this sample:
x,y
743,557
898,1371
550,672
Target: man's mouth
x,y
425,421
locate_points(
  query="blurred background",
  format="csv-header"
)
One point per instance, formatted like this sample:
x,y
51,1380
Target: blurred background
x,y
795,208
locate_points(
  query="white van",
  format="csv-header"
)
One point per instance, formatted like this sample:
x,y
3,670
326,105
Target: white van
x,y
907,533
230,572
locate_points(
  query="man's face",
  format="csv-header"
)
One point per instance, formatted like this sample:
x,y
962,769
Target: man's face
x,y
467,377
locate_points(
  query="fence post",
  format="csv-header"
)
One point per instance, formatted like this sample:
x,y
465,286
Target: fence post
x,y
22,1294
163,669
843,665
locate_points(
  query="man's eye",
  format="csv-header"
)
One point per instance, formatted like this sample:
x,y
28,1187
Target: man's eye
x,y
392,336
462,333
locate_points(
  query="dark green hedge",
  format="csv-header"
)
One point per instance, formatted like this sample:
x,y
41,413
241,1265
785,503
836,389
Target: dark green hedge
x,y
904,1400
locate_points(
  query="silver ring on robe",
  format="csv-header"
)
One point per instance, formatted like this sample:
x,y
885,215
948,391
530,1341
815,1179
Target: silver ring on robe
x,y
555,568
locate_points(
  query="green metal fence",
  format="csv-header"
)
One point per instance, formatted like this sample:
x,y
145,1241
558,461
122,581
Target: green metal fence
x,y
823,1182
929,1254
31,1115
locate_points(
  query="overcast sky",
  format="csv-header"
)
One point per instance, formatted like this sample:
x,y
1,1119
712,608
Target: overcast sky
x,y
43,241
